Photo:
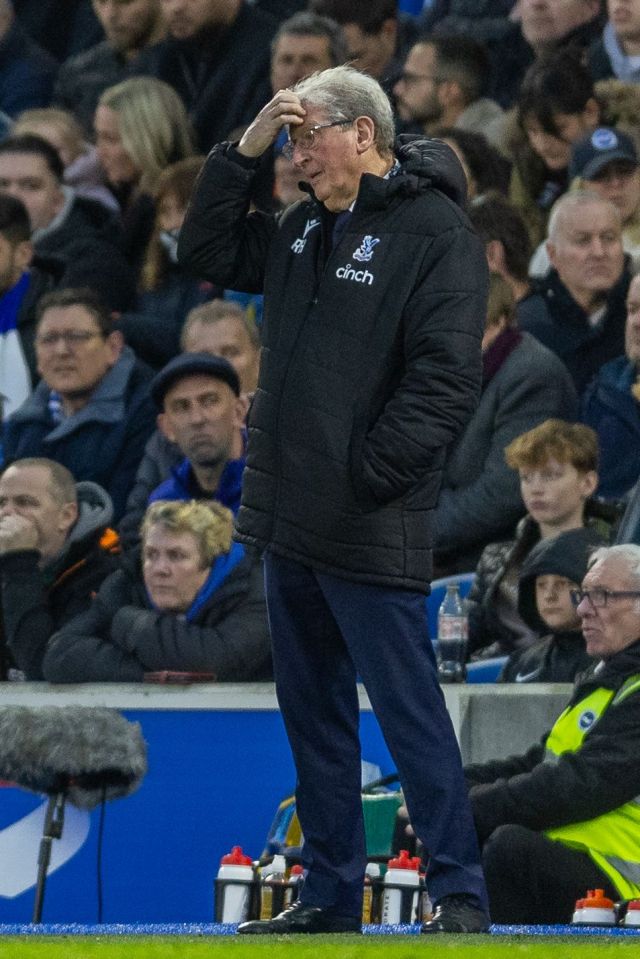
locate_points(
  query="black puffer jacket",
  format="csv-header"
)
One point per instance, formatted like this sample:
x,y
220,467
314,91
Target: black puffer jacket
x,y
121,636
370,361
35,602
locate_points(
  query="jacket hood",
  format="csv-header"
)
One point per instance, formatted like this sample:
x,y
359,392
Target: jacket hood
x,y
95,512
425,163
435,165
564,555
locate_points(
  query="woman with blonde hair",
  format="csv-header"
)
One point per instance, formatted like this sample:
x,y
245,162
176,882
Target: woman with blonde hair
x,y
141,127
192,602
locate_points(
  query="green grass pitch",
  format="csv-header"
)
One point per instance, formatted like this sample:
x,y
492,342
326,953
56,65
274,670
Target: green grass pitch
x,y
315,947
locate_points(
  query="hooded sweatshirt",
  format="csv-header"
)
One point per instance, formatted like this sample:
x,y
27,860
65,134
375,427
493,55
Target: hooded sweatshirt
x,y
559,656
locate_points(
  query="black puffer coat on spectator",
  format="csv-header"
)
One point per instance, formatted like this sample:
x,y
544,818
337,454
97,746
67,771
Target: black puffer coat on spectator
x,y
370,361
122,636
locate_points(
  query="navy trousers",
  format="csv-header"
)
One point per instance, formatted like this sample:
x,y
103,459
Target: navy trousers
x,y
326,631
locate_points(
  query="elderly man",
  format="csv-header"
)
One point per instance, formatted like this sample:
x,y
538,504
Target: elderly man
x,y
565,817
370,369
130,26
611,405
92,410
586,289
56,548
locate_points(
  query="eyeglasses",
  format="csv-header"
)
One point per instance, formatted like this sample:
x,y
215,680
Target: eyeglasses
x,y
70,338
411,78
307,141
599,597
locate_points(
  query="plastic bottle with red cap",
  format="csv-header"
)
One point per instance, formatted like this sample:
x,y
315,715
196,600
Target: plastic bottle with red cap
x,y
595,909
401,896
234,885
632,915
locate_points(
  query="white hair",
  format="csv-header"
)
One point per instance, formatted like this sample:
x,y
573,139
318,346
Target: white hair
x,y
629,553
568,202
346,94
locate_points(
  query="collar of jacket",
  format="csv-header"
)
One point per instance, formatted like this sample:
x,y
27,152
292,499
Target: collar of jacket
x,y
107,403
425,164
612,675
562,305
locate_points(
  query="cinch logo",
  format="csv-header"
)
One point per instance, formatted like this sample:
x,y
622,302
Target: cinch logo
x,y
348,273
298,245
587,719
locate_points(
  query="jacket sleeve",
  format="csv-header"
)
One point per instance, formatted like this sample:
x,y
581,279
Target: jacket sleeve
x,y
26,616
478,635
149,475
481,510
599,777
438,393
219,240
141,421
232,642
82,651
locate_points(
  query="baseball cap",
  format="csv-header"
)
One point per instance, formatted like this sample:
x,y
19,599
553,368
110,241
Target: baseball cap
x,y
591,154
190,364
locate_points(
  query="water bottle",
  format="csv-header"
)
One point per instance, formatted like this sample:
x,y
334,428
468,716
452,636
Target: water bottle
x,y
233,887
273,888
401,896
453,633
371,894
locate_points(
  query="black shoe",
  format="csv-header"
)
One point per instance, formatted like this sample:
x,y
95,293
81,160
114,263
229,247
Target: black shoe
x,y
457,913
300,918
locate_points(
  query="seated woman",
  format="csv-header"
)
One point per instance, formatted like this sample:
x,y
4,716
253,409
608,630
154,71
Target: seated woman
x,y
166,293
141,127
557,463
193,602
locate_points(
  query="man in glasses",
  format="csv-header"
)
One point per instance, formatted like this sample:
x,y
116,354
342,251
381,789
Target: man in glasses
x,y
375,295
565,817
91,411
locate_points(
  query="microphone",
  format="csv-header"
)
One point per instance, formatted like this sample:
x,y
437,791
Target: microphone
x,y
87,753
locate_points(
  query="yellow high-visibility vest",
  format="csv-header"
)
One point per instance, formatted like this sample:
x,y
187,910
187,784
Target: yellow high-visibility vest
x,y
613,839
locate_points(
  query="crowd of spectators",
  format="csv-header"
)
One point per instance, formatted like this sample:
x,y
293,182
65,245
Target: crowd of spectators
x,y
125,381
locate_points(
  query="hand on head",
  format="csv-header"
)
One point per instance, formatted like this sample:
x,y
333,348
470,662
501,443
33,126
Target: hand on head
x,y
285,108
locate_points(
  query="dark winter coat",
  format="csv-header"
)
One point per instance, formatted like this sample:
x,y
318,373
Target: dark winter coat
x,y
488,630
84,77
609,407
153,328
480,499
370,360
223,80
566,329
103,442
602,775
557,657
46,275
36,602
160,457
121,637
88,237
27,72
